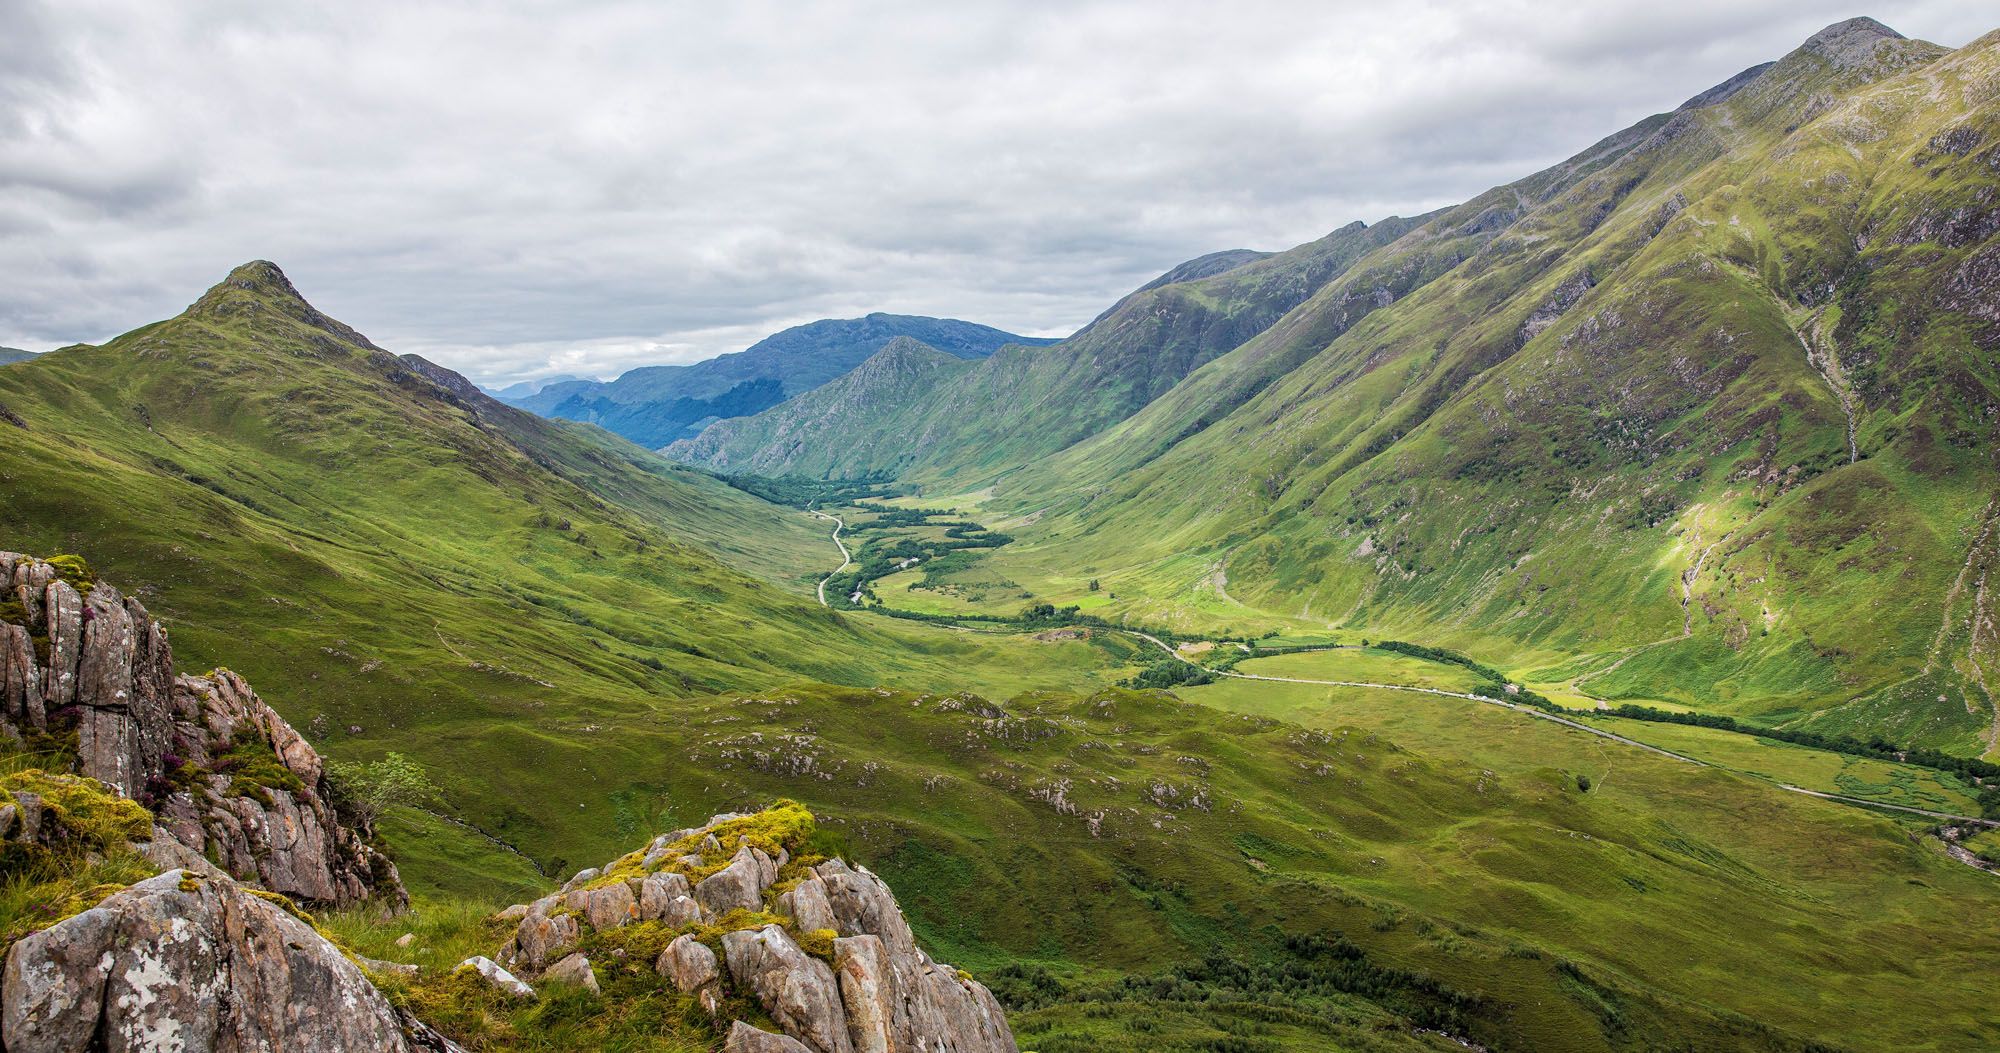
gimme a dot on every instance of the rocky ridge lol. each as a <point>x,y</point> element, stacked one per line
<point>86,672</point>
<point>745,915</point>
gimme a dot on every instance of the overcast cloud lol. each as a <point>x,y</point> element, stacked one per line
<point>569,186</point>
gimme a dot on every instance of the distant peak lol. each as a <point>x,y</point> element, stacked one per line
<point>904,346</point>
<point>1855,42</point>
<point>1854,29</point>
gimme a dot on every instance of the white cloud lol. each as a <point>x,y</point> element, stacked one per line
<point>538,188</point>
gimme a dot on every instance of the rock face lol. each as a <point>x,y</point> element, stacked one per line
<point>180,962</point>
<point>226,776</point>
<point>798,990</point>
<point>838,970</point>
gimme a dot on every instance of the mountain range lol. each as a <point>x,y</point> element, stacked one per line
<point>657,405</point>
<point>9,355</point>
<point>1555,622</point>
<point>1681,403</point>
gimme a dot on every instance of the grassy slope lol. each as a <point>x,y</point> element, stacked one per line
<point>399,568</point>
<point>1679,897</point>
<point>1440,468</point>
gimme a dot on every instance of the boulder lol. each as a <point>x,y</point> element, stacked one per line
<point>491,972</point>
<point>925,999</point>
<point>656,849</point>
<point>862,970</point>
<point>583,877</point>
<point>688,963</point>
<point>738,886</point>
<point>382,968</point>
<point>661,896</point>
<point>181,962</point>
<point>573,971</point>
<point>807,905</point>
<point>746,1039</point>
<point>605,908</point>
<point>543,937</point>
<point>691,966</point>
<point>796,989</point>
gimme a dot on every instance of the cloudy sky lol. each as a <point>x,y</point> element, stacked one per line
<point>572,186</point>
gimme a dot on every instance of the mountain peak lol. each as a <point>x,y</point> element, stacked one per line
<point>1850,43</point>
<point>260,287</point>
<point>1860,28</point>
<point>258,277</point>
<point>904,346</point>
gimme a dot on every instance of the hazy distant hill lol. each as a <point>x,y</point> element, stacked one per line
<point>656,405</point>
<point>513,393</point>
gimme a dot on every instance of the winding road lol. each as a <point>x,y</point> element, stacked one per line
<point>846,557</point>
<point>1566,722</point>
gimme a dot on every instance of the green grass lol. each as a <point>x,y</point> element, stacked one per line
<point>1367,665</point>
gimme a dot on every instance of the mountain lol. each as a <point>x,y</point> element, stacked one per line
<point>1658,417</point>
<point>1673,413</point>
<point>1023,403</point>
<point>427,567</point>
<point>10,355</point>
<point>656,405</point>
<point>855,417</point>
<point>550,625</point>
<point>1244,678</point>
<point>513,393</point>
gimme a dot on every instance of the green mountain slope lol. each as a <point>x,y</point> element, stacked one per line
<point>1690,403</point>
<point>531,610</point>
<point>10,355</point>
<point>655,405</point>
<point>402,557</point>
<point>1024,403</point>
<point>1510,425</point>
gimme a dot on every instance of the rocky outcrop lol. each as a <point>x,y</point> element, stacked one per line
<point>181,962</point>
<point>84,668</point>
<point>819,944</point>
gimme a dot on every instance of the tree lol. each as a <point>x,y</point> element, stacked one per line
<point>364,790</point>
<point>1093,585</point>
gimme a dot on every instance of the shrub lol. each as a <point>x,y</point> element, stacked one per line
<point>363,790</point>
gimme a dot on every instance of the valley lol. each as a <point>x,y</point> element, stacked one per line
<point>1558,621</point>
